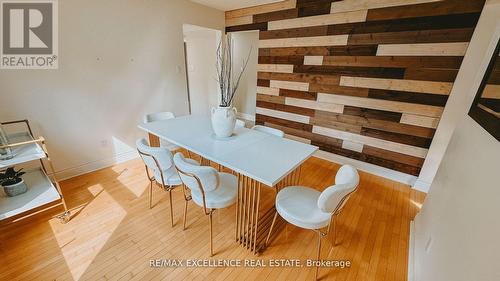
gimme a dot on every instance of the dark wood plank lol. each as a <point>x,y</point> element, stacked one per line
<point>400,128</point>
<point>246,27</point>
<point>431,74</point>
<point>263,83</point>
<point>271,99</point>
<point>427,9</point>
<point>281,60</point>
<point>394,156</point>
<point>277,15</point>
<point>393,165</point>
<point>410,37</point>
<point>298,94</point>
<point>300,77</point>
<point>376,72</point>
<point>294,32</point>
<point>278,121</point>
<point>353,50</point>
<point>339,90</point>
<point>418,98</point>
<point>450,62</point>
<point>395,137</point>
<point>287,108</point>
<point>309,8</point>
<point>372,114</point>
<point>410,24</point>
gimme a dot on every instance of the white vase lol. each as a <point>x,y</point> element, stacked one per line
<point>223,121</point>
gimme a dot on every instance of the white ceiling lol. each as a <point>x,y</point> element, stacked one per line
<point>227,5</point>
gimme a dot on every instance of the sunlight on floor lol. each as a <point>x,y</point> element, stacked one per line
<point>95,226</point>
<point>416,204</point>
<point>121,147</point>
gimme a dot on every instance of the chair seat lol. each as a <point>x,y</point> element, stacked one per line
<point>298,206</point>
<point>223,196</point>
<point>171,176</point>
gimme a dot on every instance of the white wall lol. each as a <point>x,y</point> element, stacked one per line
<point>457,232</point>
<point>119,59</point>
<point>463,92</point>
<point>246,94</point>
<point>201,48</point>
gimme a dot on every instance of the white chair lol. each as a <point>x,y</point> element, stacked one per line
<point>269,130</point>
<point>308,208</point>
<point>210,189</point>
<point>239,123</point>
<point>159,161</point>
<point>159,116</point>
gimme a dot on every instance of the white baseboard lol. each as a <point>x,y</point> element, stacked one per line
<point>411,253</point>
<point>246,116</point>
<point>367,167</point>
<point>421,185</point>
<point>96,165</point>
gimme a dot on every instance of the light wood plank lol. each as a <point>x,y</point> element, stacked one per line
<point>491,91</point>
<point>313,60</point>
<point>354,5</point>
<point>282,68</point>
<point>324,106</point>
<point>266,8</point>
<point>354,146</point>
<point>417,120</point>
<point>394,106</point>
<point>425,49</point>
<point>268,91</point>
<point>337,18</point>
<point>239,20</point>
<point>283,115</point>
<point>430,87</point>
<point>379,143</point>
<point>290,85</point>
<point>333,40</point>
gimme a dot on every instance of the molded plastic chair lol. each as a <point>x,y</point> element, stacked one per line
<point>159,161</point>
<point>269,130</point>
<point>308,208</point>
<point>210,189</point>
<point>159,116</point>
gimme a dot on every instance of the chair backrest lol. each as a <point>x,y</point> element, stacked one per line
<point>190,174</point>
<point>155,158</point>
<point>240,123</point>
<point>334,197</point>
<point>269,130</point>
<point>158,116</point>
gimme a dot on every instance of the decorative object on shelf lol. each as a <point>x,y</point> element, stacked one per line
<point>5,152</point>
<point>485,108</point>
<point>224,116</point>
<point>12,182</point>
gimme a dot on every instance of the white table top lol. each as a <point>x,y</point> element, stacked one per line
<point>260,156</point>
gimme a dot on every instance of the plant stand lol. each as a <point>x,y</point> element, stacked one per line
<point>44,192</point>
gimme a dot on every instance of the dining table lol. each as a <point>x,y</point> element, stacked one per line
<point>261,162</point>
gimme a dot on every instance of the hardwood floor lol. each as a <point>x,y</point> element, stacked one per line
<point>114,234</point>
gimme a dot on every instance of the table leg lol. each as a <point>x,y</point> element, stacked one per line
<point>154,140</point>
<point>253,226</point>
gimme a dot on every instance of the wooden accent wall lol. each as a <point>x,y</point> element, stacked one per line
<point>366,79</point>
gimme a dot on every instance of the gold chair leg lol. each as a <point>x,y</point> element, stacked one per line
<point>171,208</point>
<point>185,214</point>
<point>211,242</point>
<point>150,194</point>
<point>271,229</point>
<point>334,232</point>
<point>318,257</point>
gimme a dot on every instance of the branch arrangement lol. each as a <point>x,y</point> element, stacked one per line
<point>228,84</point>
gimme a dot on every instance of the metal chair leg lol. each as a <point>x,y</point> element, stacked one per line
<point>150,194</point>
<point>171,208</point>
<point>211,242</point>
<point>271,229</point>
<point>318,257</point>
<point>185,214</point>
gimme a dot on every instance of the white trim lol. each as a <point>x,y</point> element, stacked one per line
<point>367,167</point>
<point>411,253</point>
<point>421,185</point>
<point>96,165</point>
<point>246,116</point>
